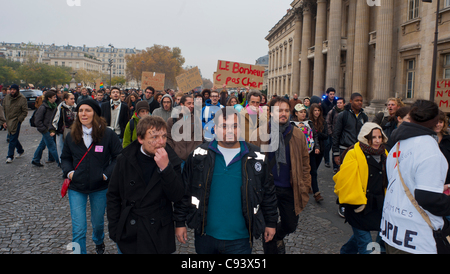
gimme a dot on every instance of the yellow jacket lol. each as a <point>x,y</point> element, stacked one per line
<point>351,180</point>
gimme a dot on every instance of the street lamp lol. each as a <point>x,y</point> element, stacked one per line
<point>110,64</point>
<point>436,34</point>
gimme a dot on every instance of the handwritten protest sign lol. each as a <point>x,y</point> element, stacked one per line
<point>189,80</point>
<point>152,79</point>
<point>235,75</point>
<point>442,94</point>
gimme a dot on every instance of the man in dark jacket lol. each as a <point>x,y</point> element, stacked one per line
<point>348,125</point>
<point>43,120</point>
<point>230,195</point>
<point>16,110</point>
<point>144,184</point>
<point>115,113</point>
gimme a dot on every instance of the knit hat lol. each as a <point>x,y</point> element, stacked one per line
<point>315,100</point>
<point>14,86</point>
<point>92,103</point>
<point>142,105</point>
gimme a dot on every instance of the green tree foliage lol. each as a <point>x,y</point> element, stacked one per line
<point>33,73</point>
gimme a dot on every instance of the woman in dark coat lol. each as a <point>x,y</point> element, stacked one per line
<point>144,184</point>
<point>89,136</point>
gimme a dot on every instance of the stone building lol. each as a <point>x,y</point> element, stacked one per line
<point>356,46</point>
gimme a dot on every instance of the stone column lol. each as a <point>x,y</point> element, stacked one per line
<point>334,45</point>
<point>350,50</point>
<point>383,54</point>
<point>361,49</point>
<point>306,43</point>
<point>296,50</point>
<point>321,33</point>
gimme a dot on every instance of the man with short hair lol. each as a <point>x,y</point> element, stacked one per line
<point>346,130</point>
<point>294,101</point>
<point>16,110</point>
<point>148,95</point>
<point>145,182</point>
<point>230,194</point>
<point>208,112</point>
<point>251,114</point>
<point>84,95</point>
<point>116,113</point>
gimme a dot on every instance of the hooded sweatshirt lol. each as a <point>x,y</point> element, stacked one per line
<point>161,112</point>
<point>423,168</point>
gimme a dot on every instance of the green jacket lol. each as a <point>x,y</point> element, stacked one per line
<point>128,138</point>
<point>16,110</point>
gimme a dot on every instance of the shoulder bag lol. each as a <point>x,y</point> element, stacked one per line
<point>67,181</point>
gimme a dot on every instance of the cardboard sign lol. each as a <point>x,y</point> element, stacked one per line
<point>442,95</point>
<point>235,75</point>
<point>189,80</point>
<point>153,79</point>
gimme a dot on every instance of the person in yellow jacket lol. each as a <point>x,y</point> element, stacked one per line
<point>360,186</point>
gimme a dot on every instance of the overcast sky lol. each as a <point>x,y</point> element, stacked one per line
<point>205,30</point>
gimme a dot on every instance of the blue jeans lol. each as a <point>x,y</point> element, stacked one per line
<point>209,245</point>
<point>49,142</point>
<point>358,242</point>
<point>78,203</point>
<point>14,143</point>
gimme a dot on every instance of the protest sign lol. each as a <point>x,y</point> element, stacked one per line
<point>442,95</point>
<point>189,80</point>
<point>235,75</point>
<point>153,79</point>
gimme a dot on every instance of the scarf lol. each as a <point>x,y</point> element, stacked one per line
<point>381,151</point>
<point>371,151</point>
<point>51,105</point>
<point>87,136</point>
<point>71,108</point>
<point>115,103</point>
<point>280,154</point>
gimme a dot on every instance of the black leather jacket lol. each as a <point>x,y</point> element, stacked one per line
<point>347,129</point>
<point>259,202</point>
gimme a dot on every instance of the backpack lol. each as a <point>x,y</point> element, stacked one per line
<point>32,124</point>
<point>308,134</point>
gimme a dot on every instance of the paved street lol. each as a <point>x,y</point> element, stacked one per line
<point>35,220</point>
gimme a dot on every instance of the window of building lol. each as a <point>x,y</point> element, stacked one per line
<point>410,76</point>
<point>447,4</point>
<point>413,9</point>
<point>447,66</point>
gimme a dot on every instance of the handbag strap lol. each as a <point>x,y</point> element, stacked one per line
<point>410,196</point>
<point>84,156</point>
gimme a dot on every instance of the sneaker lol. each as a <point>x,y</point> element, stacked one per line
<point>100,249</point>
<point>318,197</point>
<point>9,160</point>
<point>327,165</point>
<point>38,164</point>
<point>341,211</point>
<point>20,154</point>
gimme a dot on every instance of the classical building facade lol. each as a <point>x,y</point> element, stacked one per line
<point>355,46</point>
